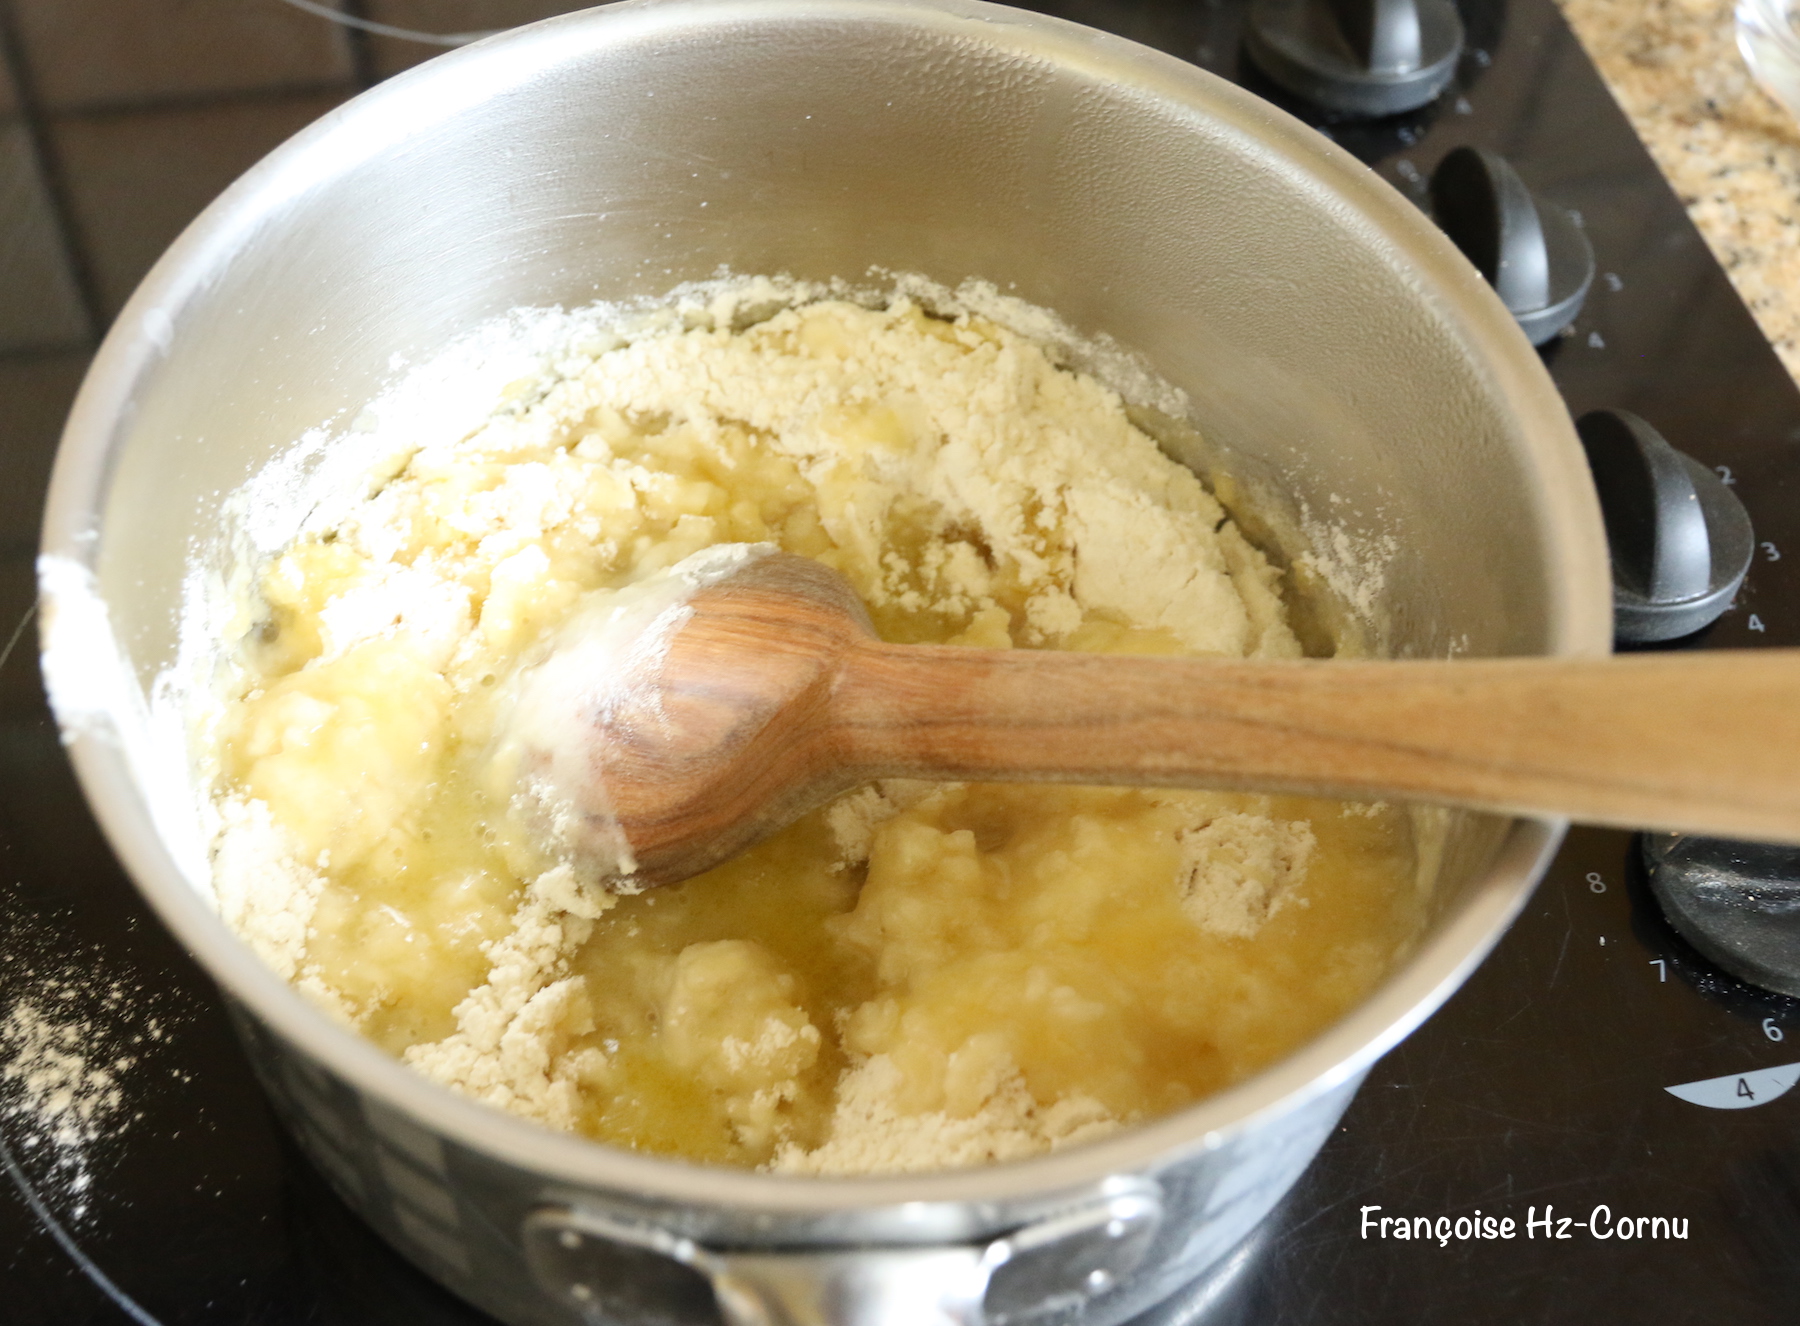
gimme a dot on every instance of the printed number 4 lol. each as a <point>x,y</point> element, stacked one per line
<point>1743,1089</point>
<point>1755,623</point>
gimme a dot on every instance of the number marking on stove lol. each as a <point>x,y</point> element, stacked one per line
<point>1596,341</point>
<point>1725,475</point>
<point>1596,882</point>
<point>1773,1030</point>
<point>1755,623</point>
<point>1613,283</point>
<point>1771,552</point>
<point>1739,1091</point>
<point>1662,969</point>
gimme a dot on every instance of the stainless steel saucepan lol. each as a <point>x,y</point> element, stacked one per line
<point>1340,357</point>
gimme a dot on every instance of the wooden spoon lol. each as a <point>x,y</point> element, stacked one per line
<point>750,688</point>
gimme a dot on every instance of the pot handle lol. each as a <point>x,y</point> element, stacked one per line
<point>610,1268</point>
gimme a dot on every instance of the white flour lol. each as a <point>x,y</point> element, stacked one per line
<point>67,1045</point>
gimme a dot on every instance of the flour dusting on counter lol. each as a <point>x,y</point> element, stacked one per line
<point>72,1041</point>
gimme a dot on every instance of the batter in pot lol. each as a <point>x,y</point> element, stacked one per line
<point>915,977</point>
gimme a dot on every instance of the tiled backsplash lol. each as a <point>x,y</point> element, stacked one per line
<point>390,56</point>
<point>40,305</point>
<point>9,97</point>
<point>119,121</point>
<point>134,179</point>
<point>83,54</point>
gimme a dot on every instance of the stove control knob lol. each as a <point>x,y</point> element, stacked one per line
<point>1358,57</point>
<point>1537,259</point>
<point>1737,903</point>
<point>1681,541</point>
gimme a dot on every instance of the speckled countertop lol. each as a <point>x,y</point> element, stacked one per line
<point>1732,153</point>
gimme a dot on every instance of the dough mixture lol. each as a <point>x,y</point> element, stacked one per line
<point>915,977</point>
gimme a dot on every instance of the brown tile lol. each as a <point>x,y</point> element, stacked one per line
<point>40,304</point>
<point>35,392</point>
<point>134,181</point>
<point>9,94</point>
<point>84,53</point>
<point>21,692</point>
<point>391,54</point>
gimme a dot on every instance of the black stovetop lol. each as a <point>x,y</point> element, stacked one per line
<point>1540,1085</point>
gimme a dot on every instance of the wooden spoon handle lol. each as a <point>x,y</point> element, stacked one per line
<point>1705,742</point>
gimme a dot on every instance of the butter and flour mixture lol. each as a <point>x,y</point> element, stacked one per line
<point>915,977</point>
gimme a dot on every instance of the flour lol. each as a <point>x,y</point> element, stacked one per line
<point>63,1099</point>
<point>67,1045</point>
<point>870,1136</point>
<point>973,490</point>
<point>264,893</point>
<point>1353,566</point>
<point>971,434</point>
<point>1238,870</point>
<point>510,1046</point>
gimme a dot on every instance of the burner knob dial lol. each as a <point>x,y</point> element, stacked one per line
<point>1737,903</point>
<point>1681,541</point>
<point>1537,259</point>
<point>1359,57</point>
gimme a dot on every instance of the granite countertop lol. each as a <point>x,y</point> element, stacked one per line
<point>1731,152</point>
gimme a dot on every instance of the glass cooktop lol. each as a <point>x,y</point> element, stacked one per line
<point>1539,1095</point>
